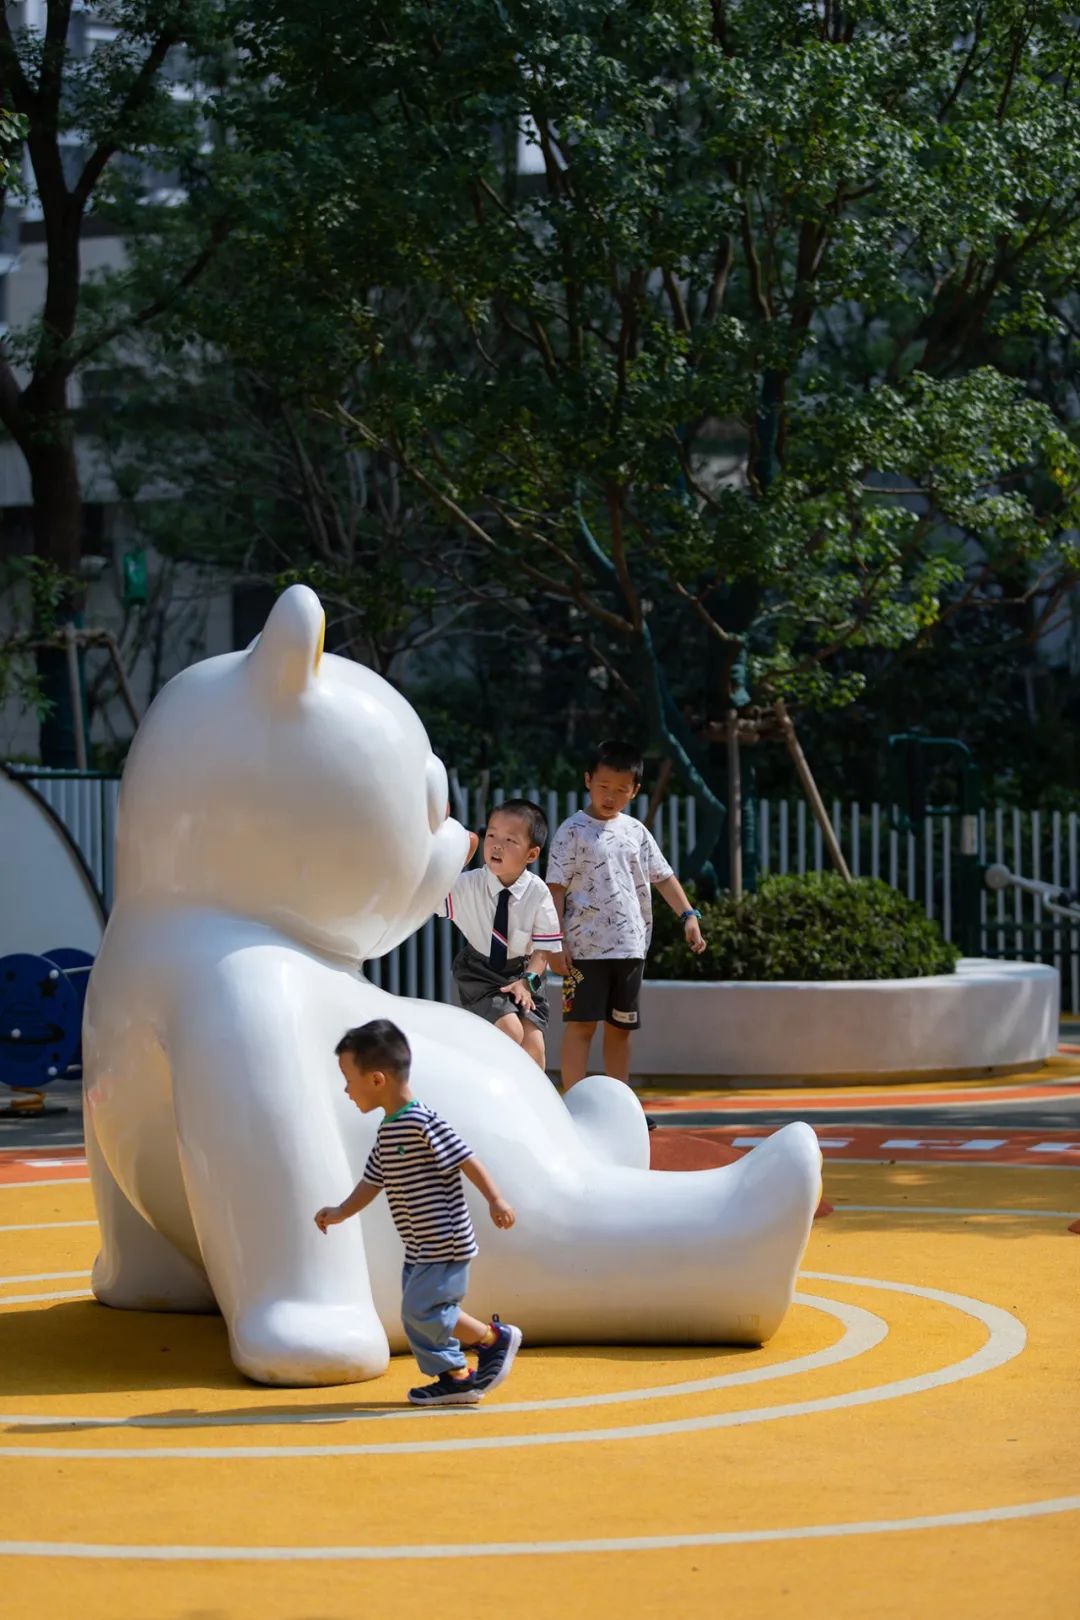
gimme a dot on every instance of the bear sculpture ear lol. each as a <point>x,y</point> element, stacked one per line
<point>285,656</point>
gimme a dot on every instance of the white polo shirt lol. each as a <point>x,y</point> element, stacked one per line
<point>533,921</point>
<point>607,868</point>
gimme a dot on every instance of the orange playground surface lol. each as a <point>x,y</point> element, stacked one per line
<point>908,1444</point>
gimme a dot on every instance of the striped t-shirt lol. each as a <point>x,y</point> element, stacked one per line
<point>417,1158</point>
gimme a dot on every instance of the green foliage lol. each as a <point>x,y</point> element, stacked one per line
<point>769,358</point>
<point>813,927</point>
<point>31,589</point>
<point>746,365</point>
<point>13,130</point>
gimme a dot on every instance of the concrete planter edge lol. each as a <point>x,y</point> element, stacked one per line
<point>987,1017</point>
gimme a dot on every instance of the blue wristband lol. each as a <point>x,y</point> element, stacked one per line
<point>693,912</point>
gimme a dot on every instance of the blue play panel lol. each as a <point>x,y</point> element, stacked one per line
<point>41,1005</point>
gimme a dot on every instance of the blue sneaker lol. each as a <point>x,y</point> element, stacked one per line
<point>447,1391</point>
<point>494,1361</point>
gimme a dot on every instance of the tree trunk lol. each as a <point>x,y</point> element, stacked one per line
<point>47,441</point>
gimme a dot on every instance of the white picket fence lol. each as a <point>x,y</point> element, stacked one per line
<point>1034,843</point>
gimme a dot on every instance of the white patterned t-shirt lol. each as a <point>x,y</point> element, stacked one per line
<point>607,869</point>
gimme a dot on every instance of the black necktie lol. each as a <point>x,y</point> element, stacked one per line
<point>500,932</point>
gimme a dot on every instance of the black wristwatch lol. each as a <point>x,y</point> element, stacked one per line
<point>533,982</point>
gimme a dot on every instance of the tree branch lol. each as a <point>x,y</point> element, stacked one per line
<point>137,93</point>
<point>157,306</point>
<point>618,555</point>
<point>965,69</point>
<point>721,270</point>
<point>51,82</point>
<point>12,78</point>
<point>698,608</point>
<point>557,587</point>
<point>753,263</point>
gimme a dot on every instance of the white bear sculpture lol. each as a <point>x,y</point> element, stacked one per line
<point>283,820</point>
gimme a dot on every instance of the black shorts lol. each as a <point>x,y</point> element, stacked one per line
<point>608,992</point>
<point>479,988</point>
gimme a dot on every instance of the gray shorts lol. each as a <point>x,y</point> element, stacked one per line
<point>479,988</point>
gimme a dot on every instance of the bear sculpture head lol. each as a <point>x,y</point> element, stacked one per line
<point>292,788</point>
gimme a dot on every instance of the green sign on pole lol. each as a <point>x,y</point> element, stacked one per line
<point>135,578</point>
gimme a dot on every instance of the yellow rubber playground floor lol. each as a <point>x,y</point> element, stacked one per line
<point>908,1445</point>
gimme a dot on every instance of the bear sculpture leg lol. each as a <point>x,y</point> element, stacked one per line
<point>298,1306</point>
<point>137,1269</point>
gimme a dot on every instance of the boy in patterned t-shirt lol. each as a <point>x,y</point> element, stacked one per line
<point>420,1160</point>
<point>600,869</point>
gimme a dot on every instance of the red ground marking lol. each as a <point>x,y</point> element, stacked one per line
<point>896,1144</point>
<point>805,1102</point>
<point>702,1147</point>
<point>684,1149</point>
<point>24,1166</point>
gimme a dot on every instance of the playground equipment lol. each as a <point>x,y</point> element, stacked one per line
<point>41,1007</point>
<point>1057,901</point>
<point>283,820</point>
<point>913,757</point>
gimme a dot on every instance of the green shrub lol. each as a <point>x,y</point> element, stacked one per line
<point>806,927</point>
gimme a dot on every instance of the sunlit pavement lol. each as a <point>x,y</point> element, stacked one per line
<point>907,1445</point>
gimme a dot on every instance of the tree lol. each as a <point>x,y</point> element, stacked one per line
<point>747,395</point>
<point>93,124</point>
<point>231,446</point>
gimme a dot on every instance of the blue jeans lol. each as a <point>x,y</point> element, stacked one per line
<point>431,1296</point>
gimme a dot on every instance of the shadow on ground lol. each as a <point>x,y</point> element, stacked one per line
<point>85,1349</point>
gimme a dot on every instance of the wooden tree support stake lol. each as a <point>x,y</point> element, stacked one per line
<point>810,788</point>
<point>122,677</point>
<point>77,717</point>
<point>70,640</point>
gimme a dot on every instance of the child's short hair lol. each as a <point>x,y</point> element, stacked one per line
<point>530,813</point>
<point>378,1045</point>
<point>617,756</point>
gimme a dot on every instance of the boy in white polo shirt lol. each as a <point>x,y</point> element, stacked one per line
<point>508,918</point>
<point>600,869</point>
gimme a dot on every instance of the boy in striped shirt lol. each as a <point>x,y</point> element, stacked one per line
<point>420,1160</point>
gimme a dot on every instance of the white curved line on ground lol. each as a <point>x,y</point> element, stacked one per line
<point>1006,1338</point>
<point>42,1276</point>
<point>50,1181</point>
<point>35,1299</point>
<point>44,1226</point>
<point>947,1164</point>
<point>840,1209</point>
<point>533,1549</point>
<point>950,1209</point>
<point>862,1332</point>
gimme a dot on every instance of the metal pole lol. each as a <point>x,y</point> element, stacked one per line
<point>809,787</point>
<point>71,648</point>
<point>970,874</point>
<point>734,805</point>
